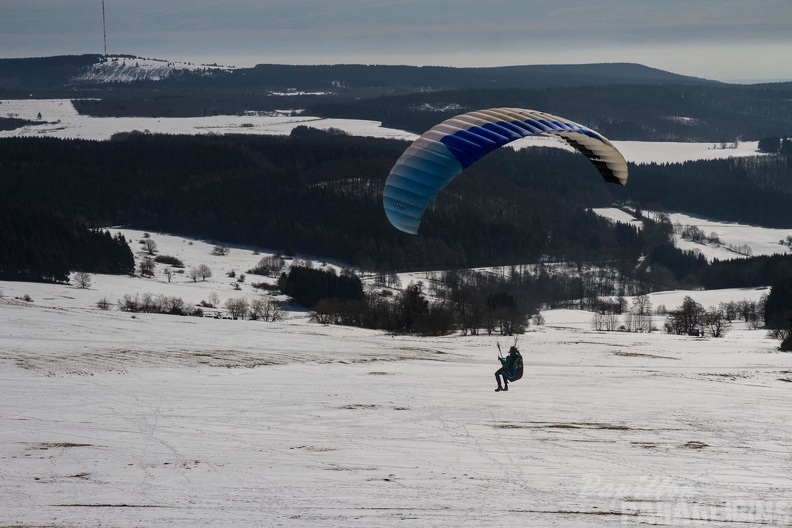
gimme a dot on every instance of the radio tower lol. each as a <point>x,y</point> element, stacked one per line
<point>104,30</point>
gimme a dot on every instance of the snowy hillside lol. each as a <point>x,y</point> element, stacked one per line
<point>122,419</point>
<point>63,121</point>
<point>733,240</point>
<point>125,69</point>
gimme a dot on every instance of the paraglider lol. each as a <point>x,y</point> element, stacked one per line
<point>511,367</point>
<point>440,154</point>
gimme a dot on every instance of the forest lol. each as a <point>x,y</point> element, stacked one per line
<point>319,193</point>
<point>676,112</point>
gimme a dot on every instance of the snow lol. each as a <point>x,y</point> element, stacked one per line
<point>644,152</point>
<point>678,152</point>
<point>124,69</point>
<point>732,236</point>
<point>63,121</point>
<point>114,419</point>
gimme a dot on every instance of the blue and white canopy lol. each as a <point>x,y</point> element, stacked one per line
<point>435,158</point>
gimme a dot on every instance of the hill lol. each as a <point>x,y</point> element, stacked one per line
<point>75,72</point>
<point>623,101</point>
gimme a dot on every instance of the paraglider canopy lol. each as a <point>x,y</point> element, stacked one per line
<point>440,154</point>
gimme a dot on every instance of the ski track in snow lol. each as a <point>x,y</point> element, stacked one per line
<point>158,420</point>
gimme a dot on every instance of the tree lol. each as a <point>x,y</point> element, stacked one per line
<point>749,310</point>
<point>411,307</point>
<point>266,309</point>
<point>685,318</point>
<point>716,322</point>
<point>214,300</point>
<point>150,246</point>
<point>82,279</point>
<point>147,267</point>
<point>505,313</point>
<point>642,308</point>
<point>193,274</point>
<point>220,250</point>
<point>103,303</point>
<point>237,308</point>
<point>203,272</point>
<point>169,273</point>
<point>778,308</point>
<point>268,265</point>
<point>770,144</point>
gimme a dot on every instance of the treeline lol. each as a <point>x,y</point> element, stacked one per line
<point>37,246</point>
<point>746,273</point>
<point>679,112</point>
<point>341,299</point>
<point>750,190</point>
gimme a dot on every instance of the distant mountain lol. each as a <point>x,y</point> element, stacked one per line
<point>71,73</point>
<point>340,76</point>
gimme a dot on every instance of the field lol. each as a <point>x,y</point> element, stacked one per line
<point>61,120</point>
<point>117,419</point>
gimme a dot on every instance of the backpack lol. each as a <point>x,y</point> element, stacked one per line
<point>516,372</point>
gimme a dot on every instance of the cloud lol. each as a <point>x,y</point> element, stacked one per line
<point>398,31</point>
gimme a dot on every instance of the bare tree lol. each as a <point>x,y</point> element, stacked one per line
<point>237,308</point>
<point>611,322</point>
<point>150,246</point>
<point>193,274</point>
<point>716,322</point>
<point>214,300</point>
<point>169,273</point>
<point>103,303</point>
<point>630,322</point>
<point>82,279</point>
<point>204,272</point>
<point>147,267</point>
<point>642,308</point>
<point>220,250</point>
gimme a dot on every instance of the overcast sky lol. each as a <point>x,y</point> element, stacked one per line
<point>729,40</point>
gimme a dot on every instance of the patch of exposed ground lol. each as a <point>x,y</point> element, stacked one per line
<point>121,360</point>
<point>695,445</point>
<point>55,445</point>
<point>109,506</point>
<point>640,354</point>
<point>572,425</point>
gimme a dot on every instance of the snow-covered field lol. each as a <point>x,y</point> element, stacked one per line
<point>732,237</point>
<point>63,121</point>
<point>114,419</point>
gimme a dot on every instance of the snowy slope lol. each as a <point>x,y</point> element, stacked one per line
<point>125,69</point>
<point>63,121</point>
<point>732,236</point>
<point>152,420</point>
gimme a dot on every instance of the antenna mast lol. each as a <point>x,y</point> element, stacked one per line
<point>104,29</point>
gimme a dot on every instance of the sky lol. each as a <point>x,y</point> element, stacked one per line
<point>727,40</point>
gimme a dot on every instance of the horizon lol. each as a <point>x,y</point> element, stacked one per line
<point>253,63</point>
<point>723,40</point>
